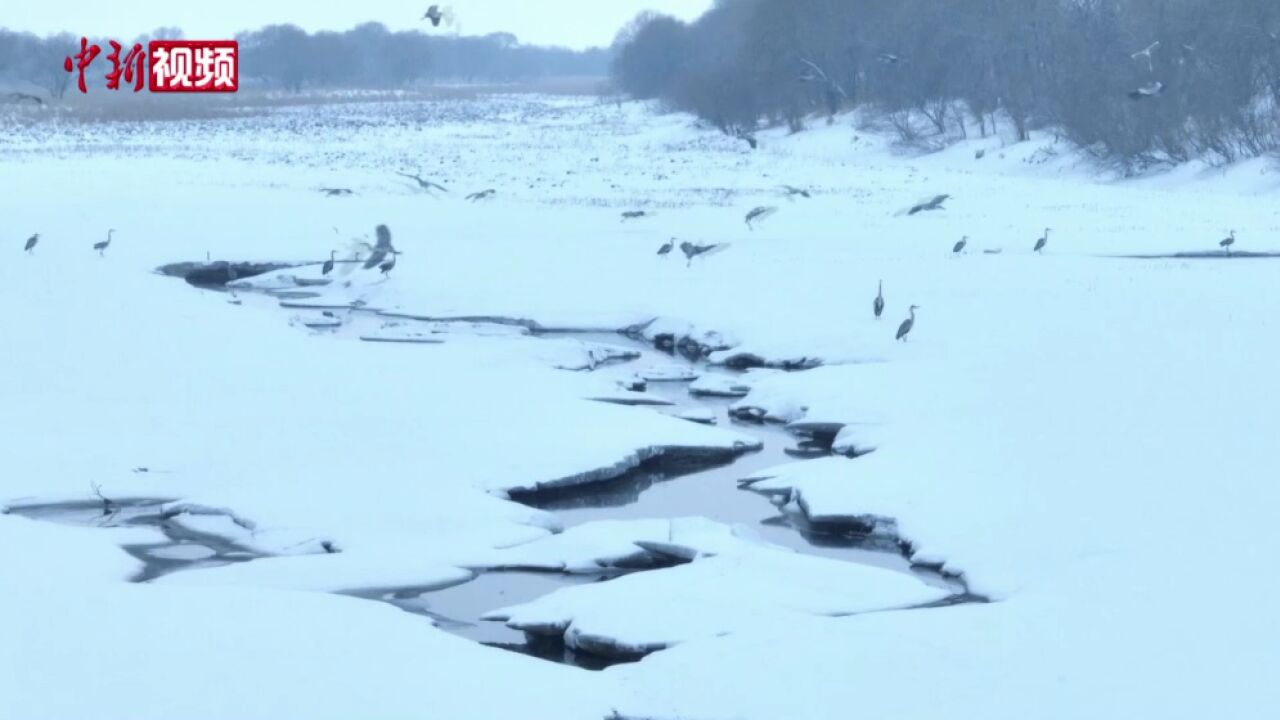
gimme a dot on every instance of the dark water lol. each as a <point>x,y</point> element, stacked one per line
<point>183,548</point>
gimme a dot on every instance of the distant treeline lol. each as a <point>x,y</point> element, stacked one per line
<point>367,56</point>
<point>938,69</point>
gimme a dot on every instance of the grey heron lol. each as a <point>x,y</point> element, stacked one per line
<point>634,215</point>
<point>758,215</point>
<point>927,205</point>
<point>31,243</point>
<point>482,195</point>
<point>434,14</point>
<point>102,246</point>
<point>1043,240</point>
<point>878,305</point>
<point>667,248</point>
<point>328,264</point>
<point>424,185</point>
<point>1228,241</point>
<point>790,192</point>
<point>1154,89</point>
<point>959,247</point>
<point>380,251</point>
<point>692,251</point>
<point>337,192</point>
<point>389,265</point>
<point>907,324</point>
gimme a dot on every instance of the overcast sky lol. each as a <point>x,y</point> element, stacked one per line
<point>572,23</point>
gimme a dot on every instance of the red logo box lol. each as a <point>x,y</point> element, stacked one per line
<point>181,66</point>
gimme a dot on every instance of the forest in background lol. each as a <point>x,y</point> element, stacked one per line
<point>1134,83</point>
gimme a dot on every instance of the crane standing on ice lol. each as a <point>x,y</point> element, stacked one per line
<point>878,305</point>
<point>1228,241</point>
<point>905,328</point>
<point>1044,240</point>
<point>31,243</point>
<point>102,246</point>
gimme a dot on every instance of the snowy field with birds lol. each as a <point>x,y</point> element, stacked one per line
<point>495,403</point>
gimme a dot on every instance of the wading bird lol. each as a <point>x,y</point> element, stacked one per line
<point>389,265</point>
<point>31,243</point>
<point>878,305</point>
<point>102,246</point>
<point>692,251</point>
<point>927,205</point>
<point>424,185</point>
<point>1042,241</point>
<point>379,252</point>
<point>959,247</point>
<point>328,264</point>
<point>1147,91</point>
<point>907,324</point>
<point>1146,53</point>
<point>1228,241</point>
<point>759,214</point>
<point>482,195</point>
<point>667,248</point>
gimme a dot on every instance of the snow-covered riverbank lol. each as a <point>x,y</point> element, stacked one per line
<point>1083,437</point>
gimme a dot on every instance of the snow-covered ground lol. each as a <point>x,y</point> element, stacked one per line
<point>1084,438</point>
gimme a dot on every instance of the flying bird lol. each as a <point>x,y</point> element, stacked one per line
<point>889,58</point>
<point>435,15</point>
<point>328,264</point>
<point>482,195</point>
<point>907,324</point>
<point>878,305</point>
<point>379,252</point>
<point>1146,53</point>
<point>31,243</point>
<point>692,251</point>
<point>1228,241</point>
<point>927,205</point>
<point>667,248</point>
<point>425,185</point>
<point>759,214</point>
<point>791,192</point>
<point>389,265</point>
<point>1154,89</point>
<point>102,246</point>
<point>337,192</point>
<point>1042,241</point>
<point>633,215</point>
<point>959,247</point>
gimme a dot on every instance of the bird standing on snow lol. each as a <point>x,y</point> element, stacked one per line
<point>667,248</point>
<point>959,247</point>
<point>328,264</point>
<point>31,243</point>
<point>102,246</point>
<point>1228,241</point>
<point>925,206</point>
<point>759,215</point>
<point>878,305</point>
<point>1042,241</point>
<point>907,324</point>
